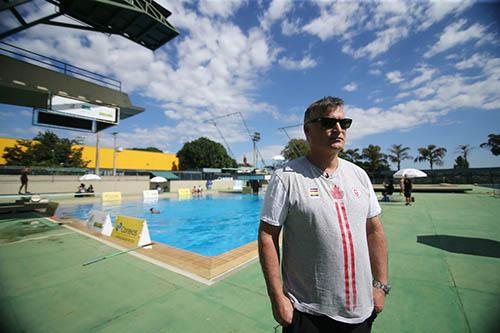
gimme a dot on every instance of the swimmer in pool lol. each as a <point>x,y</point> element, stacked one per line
<point>154,211</point>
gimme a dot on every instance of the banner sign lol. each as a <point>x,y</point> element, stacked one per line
<point>150,194</point>
<point>52,208</point>
<point>184,192</point>
<point>131,230</point>
<point>100,221</point>
<point>79,108</point>
<point>111,196</point>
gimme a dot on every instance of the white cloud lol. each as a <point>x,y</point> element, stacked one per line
<point>394,77</point>
<point>223,9</point>
<point>304,63</point>
<point>7,114</point>
<point>402,95</point>
<point>351,87</point>
<point>426,74</point>
<point>454,35</point>
<point>437,10</point>
<point>290,27</point>
<point>277,10</point>
<point>476,60</point>
<point>335,19</point>
<point>375,71</point>
<point>382,23</point>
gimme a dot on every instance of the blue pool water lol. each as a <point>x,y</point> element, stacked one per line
<point>209,225</point>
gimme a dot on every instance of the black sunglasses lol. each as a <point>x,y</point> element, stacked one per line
<point>329,123</point>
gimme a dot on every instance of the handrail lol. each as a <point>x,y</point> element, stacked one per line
<point>63,67</point>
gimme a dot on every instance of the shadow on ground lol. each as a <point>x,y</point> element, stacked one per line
<point>465,245</point>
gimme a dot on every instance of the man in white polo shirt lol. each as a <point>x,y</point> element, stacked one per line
<point>334,268</point>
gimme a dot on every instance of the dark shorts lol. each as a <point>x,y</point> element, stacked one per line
<point>408,194</point>
<point>307,323</point>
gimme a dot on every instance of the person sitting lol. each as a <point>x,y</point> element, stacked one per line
<point>388,190</point>
<point>81,189</point>
<point>194,190</point>
<point>90,189</point>
<point>199,190</point>
<point>154,211</point>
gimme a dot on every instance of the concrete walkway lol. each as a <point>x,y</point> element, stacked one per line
<point>444,266</point>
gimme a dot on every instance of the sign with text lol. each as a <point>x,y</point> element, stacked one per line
<point>100,221</point>
<point>83,109</point>
<point>150,194</point>
<point>111,196</point>
<point>131,230</point>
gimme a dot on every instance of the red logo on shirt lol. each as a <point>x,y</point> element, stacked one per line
<point>356,193</point>
<point>337,192</point>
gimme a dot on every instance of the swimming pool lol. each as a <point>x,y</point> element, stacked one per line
<point>208,225</point>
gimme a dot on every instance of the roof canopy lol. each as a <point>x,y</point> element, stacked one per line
<point>142,21</point>
<point>165,174</point>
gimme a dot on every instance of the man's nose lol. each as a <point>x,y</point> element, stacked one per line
<point>337,127</point>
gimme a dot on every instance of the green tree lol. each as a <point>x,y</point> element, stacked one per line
<point>375,160</point>
<point>464,150</point>
<point>204,153</point>
<point>461,163</point>
<point>351,155</point>
<point>398,153</point>
<point>295,148</point>
<point>46,149</point>
<point>493,144</point>
<point>151,149</point>
<point>432,154</point>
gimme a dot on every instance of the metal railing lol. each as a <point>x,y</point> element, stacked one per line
<point>59,66</point>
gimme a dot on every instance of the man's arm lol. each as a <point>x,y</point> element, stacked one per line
<point>377,247</point>
<point>270,262</point>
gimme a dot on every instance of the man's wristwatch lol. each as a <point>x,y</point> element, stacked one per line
<point>385,287</point>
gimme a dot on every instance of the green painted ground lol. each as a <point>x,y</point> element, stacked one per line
<point>444,265</point>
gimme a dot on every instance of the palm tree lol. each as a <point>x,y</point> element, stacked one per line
<point>493,144</point>
<point>432,154</point>
<point>351,155</point>
<point>398,153</point>
<point>375,159</point>
<point>465,149</point>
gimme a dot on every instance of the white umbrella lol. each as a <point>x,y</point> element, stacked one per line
<point>90,176</point>
<point>158,179</point>
<point>278,158</point>
<point>410,173</point>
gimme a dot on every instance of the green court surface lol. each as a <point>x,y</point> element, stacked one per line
<point>444,267</point>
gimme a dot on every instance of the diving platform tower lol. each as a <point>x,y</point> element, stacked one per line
<point>66,96</point>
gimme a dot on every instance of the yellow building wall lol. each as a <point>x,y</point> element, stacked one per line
<point>125,160</point>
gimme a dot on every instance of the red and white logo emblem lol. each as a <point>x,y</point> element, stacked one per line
<point>337,192</point>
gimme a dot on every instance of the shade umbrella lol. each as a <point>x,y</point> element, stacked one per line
<point>278,158</point>
<point>90,176</point>
<point>410,173</point>
<point>158,179</point>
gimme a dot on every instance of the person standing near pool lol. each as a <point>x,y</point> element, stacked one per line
<point>334,268</point>
<point>407,189</point>
<point>24,180</point>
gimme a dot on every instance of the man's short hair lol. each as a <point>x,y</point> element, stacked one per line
<point>323,104</point>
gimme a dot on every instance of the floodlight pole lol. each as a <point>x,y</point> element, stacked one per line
<point>255,137</point>
<point>114,153</point>
<point>97,153</point>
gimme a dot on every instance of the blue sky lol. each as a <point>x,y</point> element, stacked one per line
<point>412,73</point>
